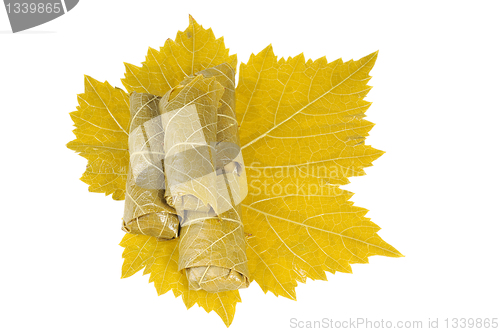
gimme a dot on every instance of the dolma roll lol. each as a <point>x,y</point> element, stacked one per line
<point>204,177</point>
<point>146,210</point>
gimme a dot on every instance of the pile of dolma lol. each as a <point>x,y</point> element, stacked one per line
<point>187,178</point>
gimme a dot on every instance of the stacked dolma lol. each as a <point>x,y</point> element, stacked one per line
<point>204,178</point>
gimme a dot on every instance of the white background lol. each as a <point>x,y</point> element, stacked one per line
<point>434,193</point>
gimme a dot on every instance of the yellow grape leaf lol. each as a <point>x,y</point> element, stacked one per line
<point>159,258</point>
<point>193,50</point>
<point>302,134</point>
<point>101,122</point>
